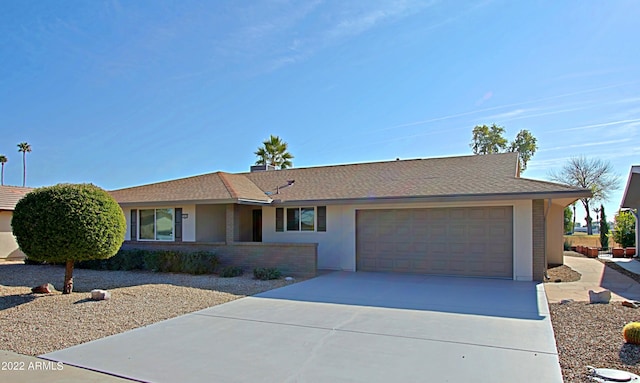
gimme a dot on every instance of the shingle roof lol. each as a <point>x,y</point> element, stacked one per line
<point>10,195</point>
<point>211,187</point>
<point>469,176</point>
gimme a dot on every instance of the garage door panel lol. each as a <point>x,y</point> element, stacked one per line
<point>476,241</point>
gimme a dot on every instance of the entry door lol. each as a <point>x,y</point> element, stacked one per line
<point>257,225</point>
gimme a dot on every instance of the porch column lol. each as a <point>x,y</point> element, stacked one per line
<point>230,224</point>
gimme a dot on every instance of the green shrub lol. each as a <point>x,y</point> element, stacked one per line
<point>624,232</point>
<point>199,262</point>
<point>567,245</point>
<point>266,273</point>
<point>67,223</point>
<point>231,272</point>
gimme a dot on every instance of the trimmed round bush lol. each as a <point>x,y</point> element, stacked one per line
<point>631,332</point>
<point>68,222</point>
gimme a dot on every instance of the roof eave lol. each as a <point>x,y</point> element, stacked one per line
<point>631,196</point>
<point>570,194</point>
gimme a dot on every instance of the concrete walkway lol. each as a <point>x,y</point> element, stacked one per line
<point>630,264</point>
<point>595,276</point>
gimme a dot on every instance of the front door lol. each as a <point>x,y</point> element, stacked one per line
<point>257,225</point>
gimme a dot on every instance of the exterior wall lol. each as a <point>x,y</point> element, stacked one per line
<point>538,261</point>
<point>8,246</point>
<point>555,234</point>
<point>188,224</point>
<point>337,246</point>
<point>292,259</point>
<point>210,223</point>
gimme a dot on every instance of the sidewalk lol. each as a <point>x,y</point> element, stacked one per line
<point>595,276</point>
<point>19,368</point>
<point>630,264</point>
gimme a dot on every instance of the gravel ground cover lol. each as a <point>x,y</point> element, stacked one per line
<point>34,324</point>
<point>591,335</point>
<point>562,273</point>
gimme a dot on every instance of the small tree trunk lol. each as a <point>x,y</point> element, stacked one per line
<point>68,278</point>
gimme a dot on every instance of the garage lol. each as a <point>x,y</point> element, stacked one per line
<point>463,241</point>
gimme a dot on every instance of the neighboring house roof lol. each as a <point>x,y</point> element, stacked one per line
<point>631,196</point>
<point>465,177</point>
<point>10,195</point>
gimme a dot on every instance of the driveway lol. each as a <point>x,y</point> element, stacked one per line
<point>345,327</point>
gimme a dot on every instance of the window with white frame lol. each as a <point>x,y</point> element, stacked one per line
<point>156,224</point>
<point>301,218</point>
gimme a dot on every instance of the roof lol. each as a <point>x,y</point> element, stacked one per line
<point>214,187</point>
<point>464,177</point>
<point>10,195</point>
<point>631,196</point>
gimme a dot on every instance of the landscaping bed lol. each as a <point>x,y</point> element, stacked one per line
<point>34,324</point>
<point>591,335</point>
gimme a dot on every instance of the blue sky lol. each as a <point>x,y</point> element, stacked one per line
<point>122,93</point>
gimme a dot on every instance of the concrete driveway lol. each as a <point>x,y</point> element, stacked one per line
<point>345,327</point>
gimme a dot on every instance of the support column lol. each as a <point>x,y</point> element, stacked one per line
<point>230,224</point>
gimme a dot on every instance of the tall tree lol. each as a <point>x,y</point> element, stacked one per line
<point>490,139</point>
<point>24,148</point>
<point>3,160</point>
<point>604,229</point>
<point>593,174</point>
<point>526,145</point>
<point>274,152</point>
<point>568,217</point>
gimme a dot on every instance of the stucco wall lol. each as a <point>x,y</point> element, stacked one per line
<point>337,246</point>
<point>210,223</point>
<point>555,234</point>
<point>8,246</point>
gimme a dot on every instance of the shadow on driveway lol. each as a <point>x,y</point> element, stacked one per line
<point>474,296</point>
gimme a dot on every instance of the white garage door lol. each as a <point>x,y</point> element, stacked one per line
<point>469,241</point>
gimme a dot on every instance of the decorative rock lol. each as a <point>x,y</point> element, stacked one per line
<point>100,295</point>
<point>603,296</point>
<point>46,288</point>
<point>288,279</point>
<point>565,301</point>
<point>632,304</point>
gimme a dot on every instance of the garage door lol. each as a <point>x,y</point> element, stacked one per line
<point>470,241</point>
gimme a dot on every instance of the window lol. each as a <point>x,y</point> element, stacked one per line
<point>302,219</point>
<point>156,224</point>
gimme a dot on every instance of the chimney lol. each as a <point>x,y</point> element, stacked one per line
<point>261,168</point>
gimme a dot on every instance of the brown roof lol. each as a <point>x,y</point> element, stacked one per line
<point>10,195</point>
<point>214,187</point>
<point>452,177</point>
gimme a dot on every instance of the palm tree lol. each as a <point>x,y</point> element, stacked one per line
<point>23,148</point>
<point>274,153</point>
<point>3,160</point>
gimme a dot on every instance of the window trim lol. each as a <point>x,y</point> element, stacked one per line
<point>155,225</point>
<point>282,219</point>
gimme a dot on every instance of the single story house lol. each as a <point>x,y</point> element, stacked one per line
<point>631,197</point>
<point>463,216</point>
<point>9,197</point>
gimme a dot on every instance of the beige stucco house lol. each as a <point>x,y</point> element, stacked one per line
<point>9,196</point>
<point>461,216</point>
<point>631,197</point>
